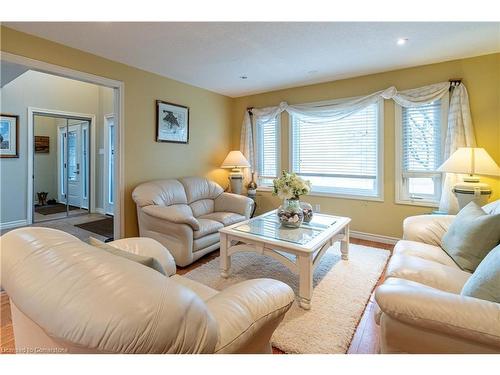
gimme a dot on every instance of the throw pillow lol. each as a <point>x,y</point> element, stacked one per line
<point>485,281</point>
<point>145,261</point>
<point>472,234</point>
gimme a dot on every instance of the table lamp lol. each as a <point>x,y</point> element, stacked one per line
<point>473,162</point>
<point>235,160</point>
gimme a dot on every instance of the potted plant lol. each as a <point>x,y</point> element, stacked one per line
<point>290,188</point>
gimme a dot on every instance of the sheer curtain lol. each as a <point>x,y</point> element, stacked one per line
<point>459,134</point>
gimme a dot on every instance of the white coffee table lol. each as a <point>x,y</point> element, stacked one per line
<point>299,249</point>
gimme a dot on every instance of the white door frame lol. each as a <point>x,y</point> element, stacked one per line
<point>105,192</point>
<point>119,102</point>
<point>64,114</point>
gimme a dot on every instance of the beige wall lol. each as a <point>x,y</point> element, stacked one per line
<point>210,116</point>
<point>481,76</point>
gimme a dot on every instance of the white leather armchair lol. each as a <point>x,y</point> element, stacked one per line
<point>420,306</point>
<point>185,214</point>
<point>69,297</point>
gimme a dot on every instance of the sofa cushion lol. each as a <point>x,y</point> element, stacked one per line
<point>159,192</point>
<point>202,207</point>
<point>427,272</point>
<point>200,188</point>
<point>207,226</point>
<point>206,241</point>
<point>485,281</point>
<point>424,251</point>
<point>471,236</point>
<point>226,218</point>
<point>145,261</point>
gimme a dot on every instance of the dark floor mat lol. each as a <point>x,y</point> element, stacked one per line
<point>53,209</point>
<point>104,227</point>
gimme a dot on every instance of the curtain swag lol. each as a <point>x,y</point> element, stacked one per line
<point>459,131</point>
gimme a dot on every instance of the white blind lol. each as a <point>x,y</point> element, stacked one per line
<point>422,137</point>
<point>267,149</point>
<point>344,148</point>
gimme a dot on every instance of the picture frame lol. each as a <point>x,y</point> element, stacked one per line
<point>172,122</point>
<point>42,144</point>
<point>9,139</point>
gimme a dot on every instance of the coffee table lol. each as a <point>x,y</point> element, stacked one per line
<point>300,249</point>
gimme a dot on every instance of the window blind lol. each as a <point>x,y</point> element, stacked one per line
<point>267,150</point>
<point>421,131</point>
<point>344,148</point>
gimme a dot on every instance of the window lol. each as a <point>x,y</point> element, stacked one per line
<point>419,148</point>
<point>268,151</point>
<point>341,157</point>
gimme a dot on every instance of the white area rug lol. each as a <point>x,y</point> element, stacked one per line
<point>341,292</point>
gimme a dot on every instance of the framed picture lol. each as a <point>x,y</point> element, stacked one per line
<point>42,143</point>
<point>172,122</point>
<point>9,141</point>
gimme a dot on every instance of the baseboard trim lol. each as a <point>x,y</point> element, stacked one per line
<point>374,237</point>
<point>13,224</point>
<point>100,211</point>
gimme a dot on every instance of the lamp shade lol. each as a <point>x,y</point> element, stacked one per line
<point>471,161</point>
<point>235,159</point>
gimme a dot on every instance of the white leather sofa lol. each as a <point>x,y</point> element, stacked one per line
<point>420,306</point>
<point>185,214</point>
<point>69,297</point>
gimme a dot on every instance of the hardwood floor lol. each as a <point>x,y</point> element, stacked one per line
<point>365,339</point>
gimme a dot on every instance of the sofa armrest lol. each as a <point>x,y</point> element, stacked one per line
<point>148,247</point>
<point>174,214</point>
<point>228,202</point>
<point>428,229</point>
<point>433,309</point>
<point>249,311</point>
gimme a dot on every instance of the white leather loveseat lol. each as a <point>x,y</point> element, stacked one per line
<point>420,306</point>
<point>69,297</point>
<point>185,214</point>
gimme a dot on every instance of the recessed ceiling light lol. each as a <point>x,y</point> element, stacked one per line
<point>243,77</point>
<point>402,41</point>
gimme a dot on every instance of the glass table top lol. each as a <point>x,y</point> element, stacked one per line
<point>269,226</point>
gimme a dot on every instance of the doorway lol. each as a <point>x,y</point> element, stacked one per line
<point>61,165</point>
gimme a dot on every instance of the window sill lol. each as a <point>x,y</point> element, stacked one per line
<point>265,189</point>
<point>419,203</point>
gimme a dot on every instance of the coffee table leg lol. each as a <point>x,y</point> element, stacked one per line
<point>305,280</point>
<point>344,244</point>
<point>225,259</point>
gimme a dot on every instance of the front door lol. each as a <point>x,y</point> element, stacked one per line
<point>73,167</point>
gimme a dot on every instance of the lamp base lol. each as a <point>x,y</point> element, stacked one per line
<point>471,190</point>
<point>236,181</point>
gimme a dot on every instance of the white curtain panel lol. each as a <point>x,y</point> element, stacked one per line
<point>460,133</point>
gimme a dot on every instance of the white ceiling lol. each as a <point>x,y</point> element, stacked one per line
<point>273,55</point>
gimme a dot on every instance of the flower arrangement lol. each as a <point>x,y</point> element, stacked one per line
<point>290,186</point>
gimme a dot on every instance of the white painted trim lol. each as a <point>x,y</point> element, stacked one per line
<point>13,224</point>
<point>105,187</point>
<point>374,237</point>
<point>119,104</point>
<point>100,210</point>
<point>92,173</point>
